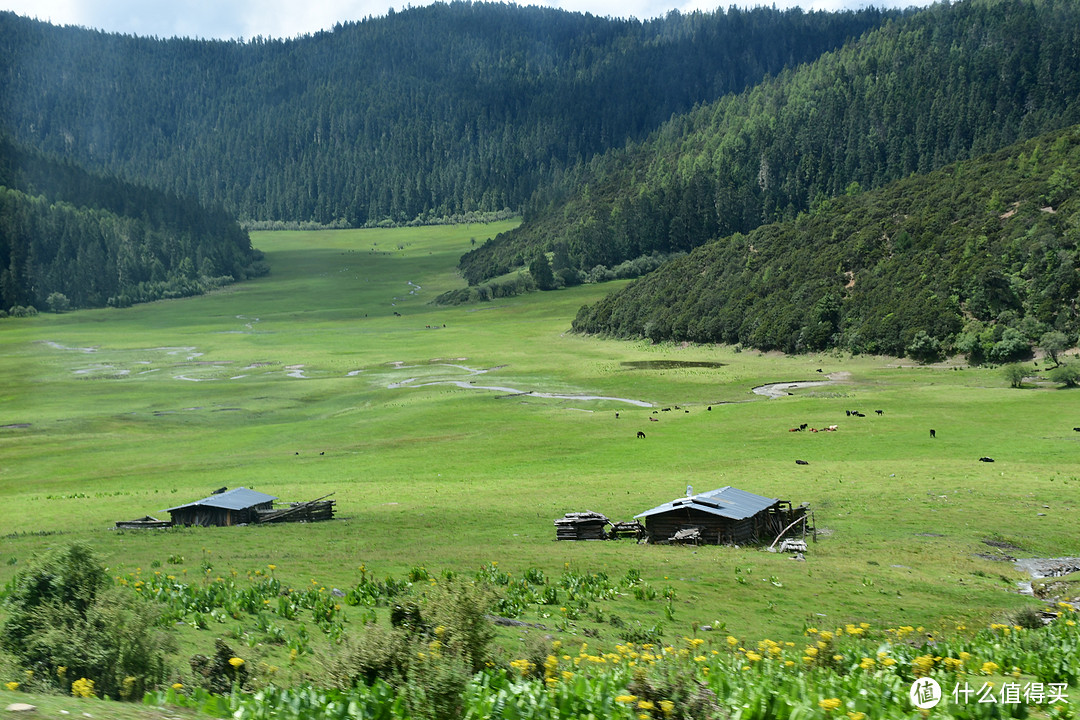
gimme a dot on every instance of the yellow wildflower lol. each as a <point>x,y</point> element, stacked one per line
<point>752,656</point>
<point>12,686</point>
<point>829,704</point>
<point>867,663</point>
<point>645,705</point>
<point>922,665</point>
<point>667,707</point>
<point>523,666</point>
<point>236,662</point>
<point>989,668</point>
<point>856,715</point>
<point>626,698</point>
<point>178,686</point>
<point>83,688</point>
<point>732,641</point>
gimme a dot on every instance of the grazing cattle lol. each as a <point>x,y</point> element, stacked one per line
<point>819,369</point>
<point>710,410</point>
<point>859,414</point>
<point>616,416</point>
<point>1076,429</point>
<point>686,411</point>
<point>932,433</point>
<point>986,459</point>
<point>322,453</point>
<point>655,411</point>
<point>794,430</point>
<point>219,491</point>
<point>640,434</point>
<point>803,426</point>
<point>296,453</point>
<point>801,462</point>
<point>653,420</point>
<point>880,412</point>
<point>848,413</point>
<point>666,409</point>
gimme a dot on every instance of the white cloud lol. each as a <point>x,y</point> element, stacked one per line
<point>229,19</point>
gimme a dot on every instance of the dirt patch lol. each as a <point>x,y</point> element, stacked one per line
<point>15,426</point>
<point>1001,544</point>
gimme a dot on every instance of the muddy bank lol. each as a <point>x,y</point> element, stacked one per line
<point>415,382</point>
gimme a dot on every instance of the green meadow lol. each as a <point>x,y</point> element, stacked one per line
<point>335,374</point>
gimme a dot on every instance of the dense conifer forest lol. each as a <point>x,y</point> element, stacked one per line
<point>777,136</point>
<point>951,82</point>
<point>979,258</point>
<point>432,111</point>
<point>69,238</point>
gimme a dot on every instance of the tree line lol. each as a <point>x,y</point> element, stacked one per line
<point>70,238</point>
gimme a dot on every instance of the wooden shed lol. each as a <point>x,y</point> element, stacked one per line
<point>727,516</point>
<point>234,507</point>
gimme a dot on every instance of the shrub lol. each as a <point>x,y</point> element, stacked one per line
<point>1066,374</point>
<point>1015,374</point>
<point>436,683</point>
<point>220,673</point>
<point>458,612</point>
<point>64,613</point>
<point>375,653</point>
<point>58,302</point>
<point>677,687</point>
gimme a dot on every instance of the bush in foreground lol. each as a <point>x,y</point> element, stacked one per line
<point>67,622</point>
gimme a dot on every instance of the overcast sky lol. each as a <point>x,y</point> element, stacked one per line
<point>230,19</point>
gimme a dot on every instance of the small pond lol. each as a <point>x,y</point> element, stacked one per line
<point>669,364</point>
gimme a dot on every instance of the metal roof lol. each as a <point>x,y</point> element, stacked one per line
<point>726,502</point>
<point>236,499</point>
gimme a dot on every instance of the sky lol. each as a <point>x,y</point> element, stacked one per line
<point>245,19</point>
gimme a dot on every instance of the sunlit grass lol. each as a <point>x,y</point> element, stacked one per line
<point>285,384</point>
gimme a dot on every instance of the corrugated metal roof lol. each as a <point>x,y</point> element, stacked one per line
<point>726,502</point>
<point>236,499</point>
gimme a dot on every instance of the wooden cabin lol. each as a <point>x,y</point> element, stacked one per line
<point>235,507</point>
<point>727,516</point>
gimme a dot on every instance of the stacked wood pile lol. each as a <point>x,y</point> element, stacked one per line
<point>586,525</point>
<point>145,522</point>
<point>631,528</point>
<point>312,511</point>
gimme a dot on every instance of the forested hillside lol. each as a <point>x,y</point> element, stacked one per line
<point>431,111</point>
<point>69,238</point>
<point>978,258</point>
<point>951,82</point>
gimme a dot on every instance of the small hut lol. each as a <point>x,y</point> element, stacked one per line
<point>727,516</point>
<point>234,507</point>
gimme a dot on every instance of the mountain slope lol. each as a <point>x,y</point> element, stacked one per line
<point>948,83</point>
<point>431,111</point>
<point>980,257</point>
<point>97,240</point>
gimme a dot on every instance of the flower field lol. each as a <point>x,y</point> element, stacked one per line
<point>850,672</point>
